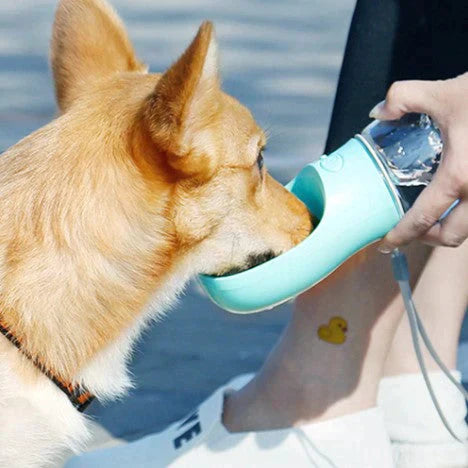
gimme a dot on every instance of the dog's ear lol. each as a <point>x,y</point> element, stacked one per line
<point>184,104</point>
<point>89,42</point>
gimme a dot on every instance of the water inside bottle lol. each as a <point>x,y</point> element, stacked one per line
<point>410,148</point>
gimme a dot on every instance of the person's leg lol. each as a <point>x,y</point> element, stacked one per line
<point>308,379</point>
<point>441,298</point>
<point>419,437</point>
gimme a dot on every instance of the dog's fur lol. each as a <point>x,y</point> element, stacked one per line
<point>143,181</point>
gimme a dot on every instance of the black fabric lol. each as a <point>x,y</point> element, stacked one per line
<point>391,40</point>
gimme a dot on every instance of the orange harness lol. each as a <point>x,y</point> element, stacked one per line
<point>79,397</point>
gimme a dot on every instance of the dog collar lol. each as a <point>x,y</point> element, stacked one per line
<point>79,397</point>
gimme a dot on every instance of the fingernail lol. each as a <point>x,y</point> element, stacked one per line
<point>375,112</point>
<point>385,249</point>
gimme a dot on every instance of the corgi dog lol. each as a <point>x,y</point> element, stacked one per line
<point>141,182</point>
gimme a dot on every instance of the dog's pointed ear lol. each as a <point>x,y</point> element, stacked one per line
<point>89,42</point>
<point>185,102</point>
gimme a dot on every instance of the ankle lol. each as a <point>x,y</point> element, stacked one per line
<point>269,403</point>
<point>248,409</point>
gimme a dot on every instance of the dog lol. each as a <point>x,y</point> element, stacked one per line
<point>141,182</point>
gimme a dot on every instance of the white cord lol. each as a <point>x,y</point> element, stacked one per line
<point>401,273</point>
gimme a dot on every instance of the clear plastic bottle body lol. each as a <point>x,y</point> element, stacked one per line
<point>409,150</point>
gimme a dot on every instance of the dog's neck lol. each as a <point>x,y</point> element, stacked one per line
<point>82,256</point>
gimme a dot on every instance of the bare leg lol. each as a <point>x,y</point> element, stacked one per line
<point>308,379</point>
<point>441,297</point>
<point>419,439</point>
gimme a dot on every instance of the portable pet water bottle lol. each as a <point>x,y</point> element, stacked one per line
<point>358,194</point>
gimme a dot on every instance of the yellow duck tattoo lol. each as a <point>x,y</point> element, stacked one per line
<point>334,332</point>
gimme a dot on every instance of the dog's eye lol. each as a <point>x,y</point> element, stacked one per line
<point>260,161</point>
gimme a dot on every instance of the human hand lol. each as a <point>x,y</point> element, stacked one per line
<point>447,103</point>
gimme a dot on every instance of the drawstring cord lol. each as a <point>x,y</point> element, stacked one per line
<point>401,274</point>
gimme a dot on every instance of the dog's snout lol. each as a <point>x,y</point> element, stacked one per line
<point>303,221</point>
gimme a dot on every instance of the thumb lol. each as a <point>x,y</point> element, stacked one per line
<point>405,97</point>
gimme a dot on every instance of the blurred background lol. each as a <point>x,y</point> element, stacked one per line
<point>282,60</point>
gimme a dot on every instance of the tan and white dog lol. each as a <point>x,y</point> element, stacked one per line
<point>143,181</point>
